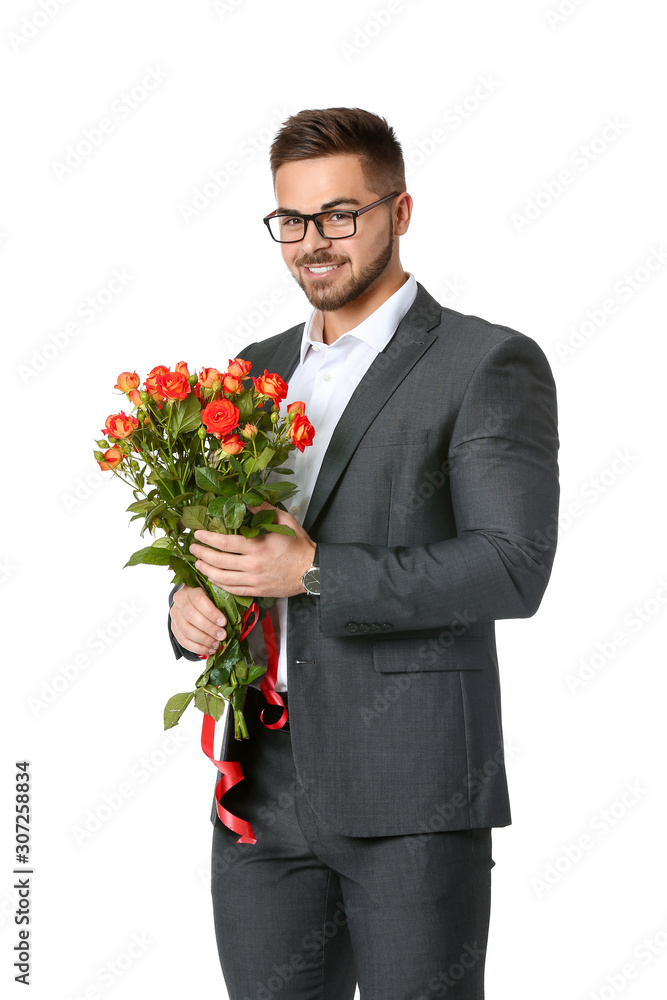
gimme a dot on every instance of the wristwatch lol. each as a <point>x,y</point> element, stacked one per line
<point>311,580</point>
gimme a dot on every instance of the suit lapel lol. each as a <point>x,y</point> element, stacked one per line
<point>390,367</point>
<point>284,356</point>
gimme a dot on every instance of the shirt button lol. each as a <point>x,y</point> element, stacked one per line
<point>314,347</point>
<point>326,378</point>
<point>294,509</point>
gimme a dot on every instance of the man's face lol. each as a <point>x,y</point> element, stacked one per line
<point>309,186</point>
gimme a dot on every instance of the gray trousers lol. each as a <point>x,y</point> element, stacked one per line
<point>307,913</point>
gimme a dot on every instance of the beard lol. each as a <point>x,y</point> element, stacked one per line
<point>328,299</point>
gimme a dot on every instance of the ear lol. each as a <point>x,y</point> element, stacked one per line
<point>402,213</point>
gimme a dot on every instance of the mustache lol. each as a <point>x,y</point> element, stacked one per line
<point>318,261</point>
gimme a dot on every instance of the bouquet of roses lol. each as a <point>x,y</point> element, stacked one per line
<point>199,452</point>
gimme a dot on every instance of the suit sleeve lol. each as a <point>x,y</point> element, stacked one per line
<point>503,484</point>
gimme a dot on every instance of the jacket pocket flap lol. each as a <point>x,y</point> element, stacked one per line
<point>410,655</point>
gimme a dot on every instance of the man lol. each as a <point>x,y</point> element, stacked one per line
<point>425,512</point>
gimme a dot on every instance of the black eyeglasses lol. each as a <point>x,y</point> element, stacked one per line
<point>332,225</point>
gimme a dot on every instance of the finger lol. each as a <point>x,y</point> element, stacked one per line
<point>203,603</point>
<point>197,626</point>
<point>198,643</point>
<point>223,543</point>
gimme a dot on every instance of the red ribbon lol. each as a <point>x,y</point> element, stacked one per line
<point>231,770</point>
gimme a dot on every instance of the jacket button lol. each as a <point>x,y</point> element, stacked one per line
<point>374,627</point>
<point>363,627</point>
<point>386,626</point>
<point>351,626</point>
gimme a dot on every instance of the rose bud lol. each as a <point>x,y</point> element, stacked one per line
<point>127,381</point>
<point>238,367</point>
<point>112,457</point>
<point>119,425</point>
<point>301,432</point>
<point>232,444</point>
<point>249,431</point>
<point>271,385</point>
<point>231,384</point>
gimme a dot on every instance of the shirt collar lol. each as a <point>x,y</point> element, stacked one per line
<point>376,330</point>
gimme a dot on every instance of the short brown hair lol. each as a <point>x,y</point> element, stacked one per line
<point>336,131</point>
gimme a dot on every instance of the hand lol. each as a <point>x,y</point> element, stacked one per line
<point>269,565</point>
<point>196,622</point>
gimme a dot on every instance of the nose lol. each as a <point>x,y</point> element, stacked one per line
<point>313,239</point>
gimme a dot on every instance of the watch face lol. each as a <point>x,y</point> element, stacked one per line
<point>311,580</point>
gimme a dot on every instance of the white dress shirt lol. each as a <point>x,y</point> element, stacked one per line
<point>324,380</point>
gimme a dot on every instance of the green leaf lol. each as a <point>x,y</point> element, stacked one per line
<point>209,703</point>
<point>186,416</point>
<point>208,478</point>
<point>162,543</point>
<point>279,529</point>
<point>235,464</point>
<point>281,487</point>
<point>217,506</point>
<point>251,499</point>
<point>194,517</point>
<point>263,517</point>
<point>244,601</point>
<point>217,524</point>
<point>141,506</point>
<point>151,556</point>
<point>229,656</point>
<point>245,404</point>
<point>157,511</point>
<point>284,472</point>
<point>167,485</point>
<point>227,603</point>
<point>175,707</point>
<point>233,513</point>
<point>219,676</point>
<point>248,532</point>
<point>264,458</point>
<point>255,671</point>
<point>184,574</point>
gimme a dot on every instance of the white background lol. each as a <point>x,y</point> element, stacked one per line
<point>518,94</point>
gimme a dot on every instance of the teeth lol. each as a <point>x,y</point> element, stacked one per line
<point>321,270</point>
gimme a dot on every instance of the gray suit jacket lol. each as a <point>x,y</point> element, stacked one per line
<point>435,513</point>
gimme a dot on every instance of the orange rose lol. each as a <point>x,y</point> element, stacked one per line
<point>182,369</point>
<point>297,407</point>
<point>220,417</point>
<point>210,378</point>
<point>249,431</point>
<point>112,458</point>
<point>232,444</point>
<point>271,385</point>
<point>127,381</point>
<point>301,432</point>
<point>134,397</point>
<point>231,384</point>
<point>151,381</point>
<point>119,425</point>
<point>172,385</point>
<point>238,367</point>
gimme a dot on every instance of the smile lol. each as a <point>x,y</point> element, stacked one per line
<point>323,269</point>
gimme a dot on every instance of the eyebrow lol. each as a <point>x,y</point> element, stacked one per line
<point>325,206</point>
